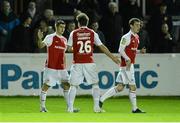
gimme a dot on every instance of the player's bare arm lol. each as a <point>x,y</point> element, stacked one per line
<point>105,50</point>
<point>40,42</point>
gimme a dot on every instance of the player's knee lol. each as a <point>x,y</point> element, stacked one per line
<point>45,87</point>
<point>119,87</point>
<point>132,88</point>
<point>65,85</point>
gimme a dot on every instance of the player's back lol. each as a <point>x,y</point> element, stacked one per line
<point>83,43</point>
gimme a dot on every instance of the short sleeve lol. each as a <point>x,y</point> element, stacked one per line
<point>48,40</point>
<point>123,43</point>
<point>97,40</point>
<point>70,40</point>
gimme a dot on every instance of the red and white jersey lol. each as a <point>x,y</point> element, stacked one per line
<point>82,40</point>
<point>128,45</point>
<point>56,47</point>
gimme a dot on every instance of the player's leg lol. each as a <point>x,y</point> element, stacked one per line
<point>43,94</point>
<point>132,90</point>
<point>65,86</point>
<point>132,96</point>
<point>96,95</point>
<point>76,78</point>
<point>64,79</point>
<point>111,92</point>
<point>50,78</point>
<point>133,100</point>
<point>121,78</point>
<point>72,95</point>
<point>91,76</point>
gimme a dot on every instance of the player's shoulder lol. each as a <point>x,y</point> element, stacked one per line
<point>89,29</point>
<point>62,37</point>
<point>51,35</point>
<point>84,29</point>
<point>126,36</point>
<point>74,31</point>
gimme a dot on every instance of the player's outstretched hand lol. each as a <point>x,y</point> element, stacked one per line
<point>117,60</point>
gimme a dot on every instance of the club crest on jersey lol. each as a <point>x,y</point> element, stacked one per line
<point>123,41</point>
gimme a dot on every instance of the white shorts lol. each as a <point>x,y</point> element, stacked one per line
<point>81,71</point>
<point>52,77</point>
<point>126,77</point>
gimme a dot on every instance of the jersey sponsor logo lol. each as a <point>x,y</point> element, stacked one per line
<point>58,47</point>
<point>133,48</point>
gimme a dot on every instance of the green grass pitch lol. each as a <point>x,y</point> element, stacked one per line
<point>26,109</point>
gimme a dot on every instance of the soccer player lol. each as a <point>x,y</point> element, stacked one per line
<point>55,67</point>
<point>81,43</point>
<point>128,49</point>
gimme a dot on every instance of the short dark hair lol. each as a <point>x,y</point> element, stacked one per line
<point>59,21</point>
<point>83,19</point>
<point>133,20</point>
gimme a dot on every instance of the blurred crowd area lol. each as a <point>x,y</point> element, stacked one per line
<point>20,21</point>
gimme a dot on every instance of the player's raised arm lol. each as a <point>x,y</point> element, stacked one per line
<point>104,49</point>
<point>40,42</point>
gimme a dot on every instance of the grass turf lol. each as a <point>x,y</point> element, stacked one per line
<point>26,109</point>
